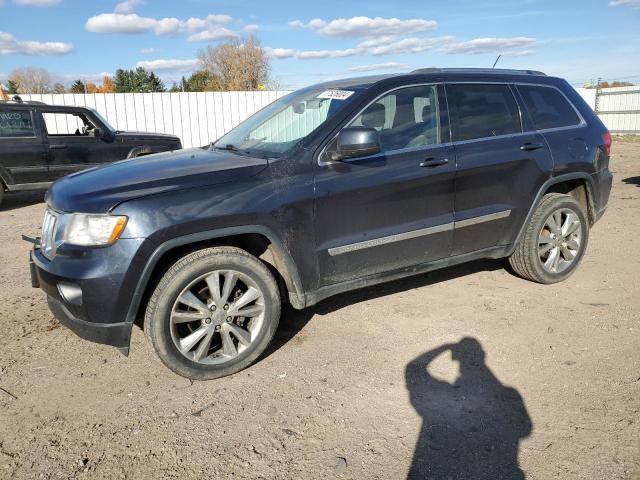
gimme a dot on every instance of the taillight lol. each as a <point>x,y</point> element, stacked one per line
<point>606,142</point>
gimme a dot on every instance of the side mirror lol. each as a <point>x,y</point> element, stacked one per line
<point>102,134</point>
<point>354,142</point>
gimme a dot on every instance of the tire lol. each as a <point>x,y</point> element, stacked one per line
<point>171,325</point>
<point>1,193</point>
<point>528,259</point>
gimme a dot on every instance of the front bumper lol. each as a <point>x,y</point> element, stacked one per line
<point>115,334</point>
<point>90,290</point>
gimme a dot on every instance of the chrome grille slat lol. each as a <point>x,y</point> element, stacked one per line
<point>47,240</point>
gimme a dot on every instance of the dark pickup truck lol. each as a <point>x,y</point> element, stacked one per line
<point>40,143</point>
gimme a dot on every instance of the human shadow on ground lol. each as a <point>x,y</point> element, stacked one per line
<point>632,181</point>
<point>471,428</point>
<point>293,321</point>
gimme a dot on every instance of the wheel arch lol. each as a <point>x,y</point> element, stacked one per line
<point>577,184</point>
<point>142,150</point>
<point>260,241</point>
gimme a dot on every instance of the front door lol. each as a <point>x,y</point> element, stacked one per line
<point>393,209</point>
<point>499,166</point>
<point>23,157</point>
<point>72,146</point>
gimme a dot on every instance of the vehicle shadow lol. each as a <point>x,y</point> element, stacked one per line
<point>293,321</point>
<point>632,181</point>
<point>15,200</point>
<point>471,428</point>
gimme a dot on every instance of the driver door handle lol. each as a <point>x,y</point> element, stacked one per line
<point>531,146</point>
<point>434,162</point>
<point>57,146</point>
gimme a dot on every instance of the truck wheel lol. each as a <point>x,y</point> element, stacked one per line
<point>554,241</point>
<point>213,313</point>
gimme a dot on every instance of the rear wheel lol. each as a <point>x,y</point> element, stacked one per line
<point>554,241</point>
<point>213,313</point>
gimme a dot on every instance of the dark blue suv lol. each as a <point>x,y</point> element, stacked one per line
<point>334,187</point>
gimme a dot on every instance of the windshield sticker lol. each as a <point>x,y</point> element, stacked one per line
<point>336,94</point>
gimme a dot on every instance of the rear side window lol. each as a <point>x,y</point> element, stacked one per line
<point>17,123</point>
<point>482,110</point>
<point>548,107</point>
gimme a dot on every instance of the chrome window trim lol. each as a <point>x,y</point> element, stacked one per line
<point>376,242</point>
<point>385,93</point>
<point>583,122</point>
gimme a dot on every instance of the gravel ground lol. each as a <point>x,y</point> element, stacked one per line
<point>467,372</point>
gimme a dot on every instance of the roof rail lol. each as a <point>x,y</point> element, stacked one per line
<point>479,70</point>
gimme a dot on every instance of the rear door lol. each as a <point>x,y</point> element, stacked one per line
<point>23,157</point>
<point>393,209</point>
<point>499,167</point>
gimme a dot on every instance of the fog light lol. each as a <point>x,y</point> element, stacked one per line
<point>70,293</point>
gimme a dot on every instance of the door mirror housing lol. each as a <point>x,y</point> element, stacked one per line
<point>355,142</point>
<point>103,134</point>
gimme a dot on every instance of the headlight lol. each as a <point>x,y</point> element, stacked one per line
<point>93,230</point>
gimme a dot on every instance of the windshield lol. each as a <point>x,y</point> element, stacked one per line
<point>103,120</point>
<point>276,129</point>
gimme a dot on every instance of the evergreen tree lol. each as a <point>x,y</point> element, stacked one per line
<point>12,87</point>
<point>78,87</point>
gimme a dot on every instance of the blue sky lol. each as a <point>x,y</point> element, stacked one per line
<point>315,41</point>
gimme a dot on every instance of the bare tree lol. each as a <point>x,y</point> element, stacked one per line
<point>237,65</point>
<point>31,80</point>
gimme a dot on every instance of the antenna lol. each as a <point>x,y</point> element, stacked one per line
<point>496,62</point>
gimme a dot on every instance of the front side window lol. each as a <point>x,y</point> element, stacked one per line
<point>67,124</point>
<point>548,107</point>
<point>276,129</point>
<point>16,123</point>
<point>482,110</point>
<point>406,118</point>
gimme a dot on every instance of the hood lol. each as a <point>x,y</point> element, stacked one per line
<point>147,136</point>
<point>100,189</point>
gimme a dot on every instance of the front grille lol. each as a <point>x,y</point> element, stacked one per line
<point>48,238</point>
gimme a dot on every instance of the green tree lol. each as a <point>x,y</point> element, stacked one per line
<point>12,87</point>
<point>137,80</point>
<point>78,87</point>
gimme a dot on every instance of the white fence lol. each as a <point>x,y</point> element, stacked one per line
<point>202,117</point>
<point>197,118</point>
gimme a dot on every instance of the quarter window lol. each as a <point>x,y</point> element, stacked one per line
<point>482,110</point>
<point>17,123</point>
<point>406,118</point>
<point>548,107</point>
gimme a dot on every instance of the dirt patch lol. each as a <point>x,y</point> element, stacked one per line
<point>371,384</point>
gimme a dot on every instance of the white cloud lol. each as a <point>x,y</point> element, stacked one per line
<point>380,66</point>
<point>134,24</point>
<point>252,27</point>
<point>489,45</point>
<point>149,50</point>
<point>128,6</point>
<point>10,45</point>
<point>37,3</point>
<point>213,33</point>
<point>624,3</point>
<point>377,47</point>
<point>366,26</point>
<point>280,52</point>
<point>169,65</point>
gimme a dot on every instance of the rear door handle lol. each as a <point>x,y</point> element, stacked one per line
<point>531,146</point>
<point>434,162</point>
<point>56,147</point>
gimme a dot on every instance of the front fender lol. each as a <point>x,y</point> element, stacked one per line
<point>296,292</point>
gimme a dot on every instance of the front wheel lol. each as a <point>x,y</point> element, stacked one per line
<point>554,241</point>
<point>213,313</point>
